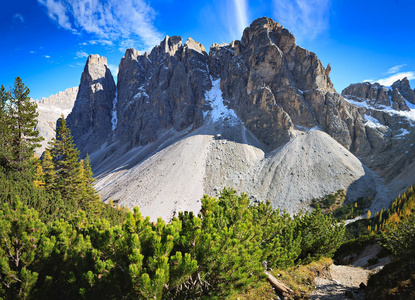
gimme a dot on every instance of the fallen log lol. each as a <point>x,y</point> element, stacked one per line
<point>279,286</point>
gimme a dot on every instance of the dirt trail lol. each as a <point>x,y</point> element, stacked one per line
<point>343,278</point>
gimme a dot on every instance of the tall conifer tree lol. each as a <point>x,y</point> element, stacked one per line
<point>5,137</point>
<point>90,197</point>
<point>23,120</point>
<point>65,160</point>
<point>48,168</point>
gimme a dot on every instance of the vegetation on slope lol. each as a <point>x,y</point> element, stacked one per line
<point>397,279</point>
<point>394,229</point>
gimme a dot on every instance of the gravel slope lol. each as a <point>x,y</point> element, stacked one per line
<point>174,173</point>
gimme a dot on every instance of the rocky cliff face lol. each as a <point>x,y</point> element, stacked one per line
<point>380,96</point>
<point>90,119</point>
<point>264,92</point>
<point>264,77</point>
<point>50,109</point>
<point>161,90</point>
<point>389,122</point>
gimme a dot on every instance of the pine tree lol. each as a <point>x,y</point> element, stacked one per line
<point>65,160</point>
<point>89,179</point>
<point>39,176</point>
<point>23,243</point>
<point>90,197</point>
<point>23,116</point>
<point>5,136</point>
<point>48,168</point>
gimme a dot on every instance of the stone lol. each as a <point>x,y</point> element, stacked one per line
<point>404,89</point>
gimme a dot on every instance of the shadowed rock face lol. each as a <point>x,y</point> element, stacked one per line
<point>380,96</point>
<point>90,119</point>
<point>273,85</point>
<point>404,89</point>
<point>389,124</point>
<point>161,90</point>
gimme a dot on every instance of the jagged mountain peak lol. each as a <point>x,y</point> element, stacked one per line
<point>404,89</point>
<point>379,96</point>
<point>132,53</point>
<point>96,59</point>
<point>90,119</point>
<point>196,46</point>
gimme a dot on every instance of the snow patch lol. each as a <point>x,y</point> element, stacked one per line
<point>219,110</point>
<point>403,133</point>
<point>114,119</point>
<point>374,123</point>
<point>358,103</point>
<point>139,94</point>
<point>410,115</point>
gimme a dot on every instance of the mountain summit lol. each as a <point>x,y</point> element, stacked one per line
<point>259,114</point>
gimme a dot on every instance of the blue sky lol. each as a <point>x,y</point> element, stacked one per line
<point>46,42</point>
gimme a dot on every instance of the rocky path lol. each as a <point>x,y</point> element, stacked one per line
<point>344,282</point>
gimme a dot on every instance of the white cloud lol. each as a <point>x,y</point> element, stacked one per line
<point>18,18</point>
<point>241,15</point>
<point>395,69</point>
<point>81,54</point>
<point>388,81</point>
<point>32,52</point>
<point>46,56</point>
<point>57,12</point>
<point>101,42</point>
<point>304,18</point>
<point>110,22</point>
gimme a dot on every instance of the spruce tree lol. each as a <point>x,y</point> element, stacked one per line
<point>5,136</point>
<point>23,120</point>
<point>65,159</point>
<point>89,196</point>
<point>89,180</point>
<point>39,176</point>
<point>48,168</point>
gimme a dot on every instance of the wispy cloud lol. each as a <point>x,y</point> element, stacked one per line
<point>306,19</point>
<point>46,56</point>
<point>110,22</point>
<point>18,18</point>
<point>241,14</point>
<point>81,54</point>
<point>388,81</point>
<point>395,69</point>
<point>57,12</point>
<point>394,75</point>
